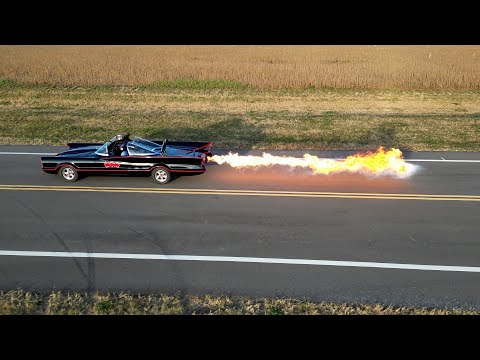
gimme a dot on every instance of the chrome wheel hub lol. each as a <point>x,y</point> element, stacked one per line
<point>161,176</point>
<point>68,174</point>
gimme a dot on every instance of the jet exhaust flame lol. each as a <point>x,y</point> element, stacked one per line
<point>380,162</point>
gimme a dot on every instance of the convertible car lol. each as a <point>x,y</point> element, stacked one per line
<point>122,155</point>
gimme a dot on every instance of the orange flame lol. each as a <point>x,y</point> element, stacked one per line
<point>380,162</point>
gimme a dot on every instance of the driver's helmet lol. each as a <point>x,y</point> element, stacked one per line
<point>119,137</point>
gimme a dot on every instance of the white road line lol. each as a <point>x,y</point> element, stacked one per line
<point>422,160</point>
<point>24,153</point>
<point>443,161</point>
<point>239,259</point>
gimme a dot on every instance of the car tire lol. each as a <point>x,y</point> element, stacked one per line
<point>68,173</point>
<point>161,175</point>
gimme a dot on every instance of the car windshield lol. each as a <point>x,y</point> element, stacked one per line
<point>103,150</point>
<point>146,144</point>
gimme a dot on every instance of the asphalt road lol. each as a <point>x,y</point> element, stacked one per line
<point>367,230</point>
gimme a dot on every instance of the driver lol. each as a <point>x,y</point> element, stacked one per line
<point>119,147</point>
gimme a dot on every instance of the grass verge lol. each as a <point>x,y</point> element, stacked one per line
<point>196,85</point>
<point>19,302</point>
<point>235,117</point>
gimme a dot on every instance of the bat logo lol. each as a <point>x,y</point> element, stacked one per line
<point>112,164</point>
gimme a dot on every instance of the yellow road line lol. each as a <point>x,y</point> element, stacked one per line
<point>165,189</point>
<point>244,193</point>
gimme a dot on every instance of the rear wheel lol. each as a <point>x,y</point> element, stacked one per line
<point>161,175</point>
<point>68,173</point>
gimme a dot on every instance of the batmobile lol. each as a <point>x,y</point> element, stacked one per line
<point>121,155</point>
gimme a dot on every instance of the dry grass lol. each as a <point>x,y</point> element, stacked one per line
<point>267,119</point>
<point>61,303</point>
<point>236,67</point>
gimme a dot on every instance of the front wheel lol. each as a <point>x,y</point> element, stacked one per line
<point>161,175</point>
<point>68,173</point>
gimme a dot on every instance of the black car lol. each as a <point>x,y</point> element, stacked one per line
<point>122,155</point>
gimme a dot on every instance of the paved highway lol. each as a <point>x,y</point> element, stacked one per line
<point>262,232</point>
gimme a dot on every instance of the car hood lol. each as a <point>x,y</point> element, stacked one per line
<point>80,151</point>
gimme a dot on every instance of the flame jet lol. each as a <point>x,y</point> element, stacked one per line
<point>380,162</point>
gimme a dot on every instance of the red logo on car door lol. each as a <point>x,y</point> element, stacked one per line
<point>112,164</point>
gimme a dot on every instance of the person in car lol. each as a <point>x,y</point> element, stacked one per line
<point>119,147</point>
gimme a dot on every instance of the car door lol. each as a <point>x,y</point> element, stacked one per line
<point>137,160</point>
<point>112,163</point>
<point>115,163</point>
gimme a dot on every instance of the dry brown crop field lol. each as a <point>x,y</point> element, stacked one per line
<point>268,67</point>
